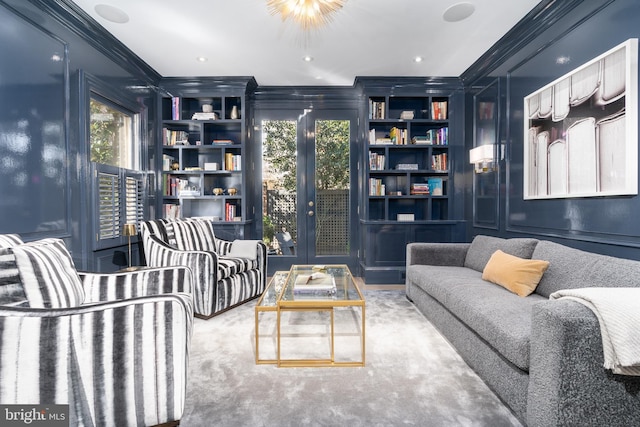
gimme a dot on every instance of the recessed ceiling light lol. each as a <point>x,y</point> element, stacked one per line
<point>202,59</point>
<point>112,14</point>
<point>458,12</point>
<point>417,59</point>
<point>561,60</point>
<point>307,58</point>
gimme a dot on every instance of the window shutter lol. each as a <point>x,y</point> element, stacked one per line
<point>108,206</point>
<point>134,207</point>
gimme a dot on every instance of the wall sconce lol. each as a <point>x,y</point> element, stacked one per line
<point>129,230</point>
<point>483,157</point>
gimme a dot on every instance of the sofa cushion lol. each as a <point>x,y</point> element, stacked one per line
<point>193,235</point>
<point>230,266</point>
<point>571,268</point>
<point>518,275</point>
<point>482,247</point>
<point>9,240</point>
<point>498,316</point>
<point>11,289</point>
<point>48,274</point>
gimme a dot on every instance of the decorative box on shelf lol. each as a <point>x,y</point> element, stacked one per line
<point>406,217</point>
<point>407,166</point>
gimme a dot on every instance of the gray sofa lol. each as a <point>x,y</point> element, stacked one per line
<point>542,357</point>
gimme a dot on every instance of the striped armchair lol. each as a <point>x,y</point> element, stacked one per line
<point>114,347</point>
<point>225,273</point>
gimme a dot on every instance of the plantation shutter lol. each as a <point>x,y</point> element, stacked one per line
<point>120,200</point>
<point>108,206</point>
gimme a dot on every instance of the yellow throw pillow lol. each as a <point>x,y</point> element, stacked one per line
<point>520,276</point>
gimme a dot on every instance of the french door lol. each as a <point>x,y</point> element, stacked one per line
<point>309,187</point>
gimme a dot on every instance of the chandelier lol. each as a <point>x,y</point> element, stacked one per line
<point>307,13</point>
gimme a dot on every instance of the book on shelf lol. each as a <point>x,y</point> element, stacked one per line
<point>204,116</point>
<point>436,186</point>
<point>407,166</point>
<point>439,110</point>
<point>376,187</point>
<point>222,142</point>
<point>174,186</point>
<point>398,136</point>
<point>439,162</point>
<point>419,189</point>
<point>232,162</point>
<point>175,108</point>
<point>167,161</point>
<point>433,137</point>
<point>375,140</point>
<point>376,161</point>
<point>315,283</point>
<point>376,109</point>
<point>231,212</point>
<point>174,137</point>
<point>172,211</point>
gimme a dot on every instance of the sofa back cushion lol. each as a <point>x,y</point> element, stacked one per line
<point>571,268</point>
<point>46,275</point>
<point>482,247</point>
<point>193,234</point>
<point>9,240</point>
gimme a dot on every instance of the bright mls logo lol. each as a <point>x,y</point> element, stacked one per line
<point>34,415</point>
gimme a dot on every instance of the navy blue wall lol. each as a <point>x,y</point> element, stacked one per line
<point>44,181</point>
<point>601,224</point>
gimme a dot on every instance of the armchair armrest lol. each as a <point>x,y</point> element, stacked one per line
<point>130,284</point>
<point>114,363</point>
<point>203,266</point>
<point>452,254</point>
<point>568,384</point>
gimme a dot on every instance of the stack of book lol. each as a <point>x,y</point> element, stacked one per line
<point>315,284</point>
<point>421,139</point>
<point>419,188</point>
<point>204,116</point>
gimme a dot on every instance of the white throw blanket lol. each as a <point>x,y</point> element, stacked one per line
<point>244,249</point>
<point>618,311</point>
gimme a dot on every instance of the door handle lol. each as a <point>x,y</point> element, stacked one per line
<point>310,213</point>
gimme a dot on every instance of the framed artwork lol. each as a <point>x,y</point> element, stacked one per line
<point>581,130</point>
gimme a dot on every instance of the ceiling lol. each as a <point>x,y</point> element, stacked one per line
<point>365,38</point>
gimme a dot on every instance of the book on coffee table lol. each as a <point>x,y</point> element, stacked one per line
<point>317,283</point>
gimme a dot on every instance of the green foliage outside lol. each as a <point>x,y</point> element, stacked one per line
<point>103,134</point>
<point>332,153</point>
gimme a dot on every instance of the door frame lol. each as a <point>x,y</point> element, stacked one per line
<point>305,121</point>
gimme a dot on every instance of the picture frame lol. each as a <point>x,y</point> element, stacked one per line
<point>581,130</point>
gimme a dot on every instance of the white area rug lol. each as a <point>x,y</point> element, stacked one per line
<point>412,377</point>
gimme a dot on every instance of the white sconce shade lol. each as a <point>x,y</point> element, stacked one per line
<point>482,157</point>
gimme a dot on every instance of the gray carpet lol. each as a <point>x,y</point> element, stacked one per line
<point>412,375</point>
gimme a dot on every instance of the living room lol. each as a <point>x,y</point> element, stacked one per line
<point>50,185</point>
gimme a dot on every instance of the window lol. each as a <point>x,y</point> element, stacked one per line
<point>115,155</point>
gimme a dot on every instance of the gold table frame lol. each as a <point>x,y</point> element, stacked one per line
<point>279,297</point>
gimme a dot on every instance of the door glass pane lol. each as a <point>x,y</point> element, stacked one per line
<point>279,155</point>
<point>332,187</point>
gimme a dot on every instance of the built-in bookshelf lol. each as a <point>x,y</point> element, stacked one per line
<point>407,178</point>
<point>408,158</point>
<point>204,156</point>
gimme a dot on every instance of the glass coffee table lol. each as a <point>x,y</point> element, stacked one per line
<point>331,288</point>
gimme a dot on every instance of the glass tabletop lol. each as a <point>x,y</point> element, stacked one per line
<point>325,275</point>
